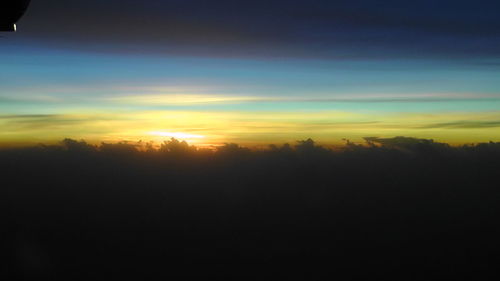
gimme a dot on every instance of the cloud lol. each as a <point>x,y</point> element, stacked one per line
<point>464,125</point>
<point>28,116</point>
<point>204,99</point>
<point>298,28</point>
<point>40,121</point>
<point>183,99</point>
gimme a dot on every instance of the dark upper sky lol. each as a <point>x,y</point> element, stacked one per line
<point>291,28</point>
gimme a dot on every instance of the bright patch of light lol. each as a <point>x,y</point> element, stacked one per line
<point>183,99</point>
<point>176,135</point>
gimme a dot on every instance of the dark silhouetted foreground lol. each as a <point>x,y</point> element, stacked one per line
<point>399,208</point>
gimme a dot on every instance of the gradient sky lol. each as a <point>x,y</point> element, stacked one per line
<point>251,72</point>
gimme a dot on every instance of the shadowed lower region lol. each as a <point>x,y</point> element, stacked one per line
<point>391,209</point>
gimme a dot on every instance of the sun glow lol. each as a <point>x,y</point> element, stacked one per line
<point>182,99</point>
<point>176,135</point>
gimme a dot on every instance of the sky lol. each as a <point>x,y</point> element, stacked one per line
<point>251,72</point>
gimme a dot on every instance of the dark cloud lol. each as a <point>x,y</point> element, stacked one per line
<point>38,121</point>
<point>28,116</point>
<point>398,100</point>
<point>299,28</point>
<point>464,125</point>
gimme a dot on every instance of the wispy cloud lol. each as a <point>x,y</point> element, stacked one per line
<point>464,125</point>
<point>40,122</point>
<point>182,99</point>
<point>29,116</point>
<point>203,99</point>
<point>30,99</point>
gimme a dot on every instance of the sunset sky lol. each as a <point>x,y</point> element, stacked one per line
<point>251,72</point>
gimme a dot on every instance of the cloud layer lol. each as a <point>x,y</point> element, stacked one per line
<point>297,28</point>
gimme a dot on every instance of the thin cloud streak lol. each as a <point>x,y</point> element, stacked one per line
<point>173,99</point>
<point>466,124</point>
